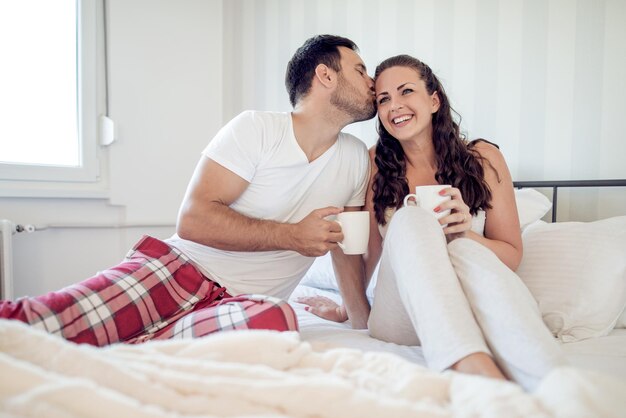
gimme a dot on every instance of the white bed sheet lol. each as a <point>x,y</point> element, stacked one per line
<point>321,333</point>
<point>606,354</point>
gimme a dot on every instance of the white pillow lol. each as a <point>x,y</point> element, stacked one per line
<point>322,276</point>
<point>531,206</point>
<point>577,273</point>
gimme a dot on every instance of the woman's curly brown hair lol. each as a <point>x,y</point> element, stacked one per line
<point>458,163</point>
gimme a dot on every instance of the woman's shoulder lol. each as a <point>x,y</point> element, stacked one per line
<point>482,145</point>
<point>487,150</point>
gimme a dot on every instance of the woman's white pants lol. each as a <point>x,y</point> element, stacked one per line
<point>457,299</point>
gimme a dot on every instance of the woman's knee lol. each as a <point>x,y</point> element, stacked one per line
<point>412,214</point>
<point>413,220</point>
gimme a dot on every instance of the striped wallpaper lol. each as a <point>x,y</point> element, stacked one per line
<point>546,80</point>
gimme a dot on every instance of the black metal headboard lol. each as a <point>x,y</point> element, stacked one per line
<point>554,185</point>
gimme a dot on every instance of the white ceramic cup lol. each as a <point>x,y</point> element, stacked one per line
<point>356,231</point>
<point>428,197</point>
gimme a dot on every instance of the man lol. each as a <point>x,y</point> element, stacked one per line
<point>253,216</point>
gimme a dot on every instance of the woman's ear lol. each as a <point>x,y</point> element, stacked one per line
<point>435,102</point>
<point>325,75</point>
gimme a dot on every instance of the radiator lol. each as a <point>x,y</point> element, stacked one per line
<point>7,229</point>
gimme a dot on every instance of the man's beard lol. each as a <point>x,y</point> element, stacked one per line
<point>347,99</point>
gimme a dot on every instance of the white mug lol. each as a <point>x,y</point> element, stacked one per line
<point>356,231</point>
<point>428,197</point>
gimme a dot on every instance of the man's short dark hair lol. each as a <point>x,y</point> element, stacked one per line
<point>320,49</point>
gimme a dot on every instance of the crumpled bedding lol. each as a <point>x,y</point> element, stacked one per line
<point>267,374</point>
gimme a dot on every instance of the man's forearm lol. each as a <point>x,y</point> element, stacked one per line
<point>222,227</point>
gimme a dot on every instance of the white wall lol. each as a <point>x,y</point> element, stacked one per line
<point>165,72</point>
<point>165,96</point>
<point>543,79</point>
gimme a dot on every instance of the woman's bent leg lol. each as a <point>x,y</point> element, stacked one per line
<point>417,278</point>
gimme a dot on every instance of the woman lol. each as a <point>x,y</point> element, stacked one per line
<point>445,284</point>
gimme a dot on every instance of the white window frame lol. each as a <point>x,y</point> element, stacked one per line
<point>86,180</point>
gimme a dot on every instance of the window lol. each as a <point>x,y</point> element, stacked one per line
<point>52,52</point>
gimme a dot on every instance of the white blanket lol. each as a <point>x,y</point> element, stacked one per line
<point>269,374</point>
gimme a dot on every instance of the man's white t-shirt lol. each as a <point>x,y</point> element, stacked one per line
<point>261,148</point>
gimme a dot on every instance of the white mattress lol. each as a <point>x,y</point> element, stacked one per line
<point>605,354</point>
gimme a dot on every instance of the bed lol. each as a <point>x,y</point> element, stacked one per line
<point>331,370</point>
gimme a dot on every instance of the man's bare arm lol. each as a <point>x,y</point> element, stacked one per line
<point>206,218</point>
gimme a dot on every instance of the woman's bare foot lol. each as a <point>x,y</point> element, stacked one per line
<point>479,363</point>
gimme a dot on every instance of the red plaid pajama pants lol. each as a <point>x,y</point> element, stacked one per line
<point>155,293</point>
